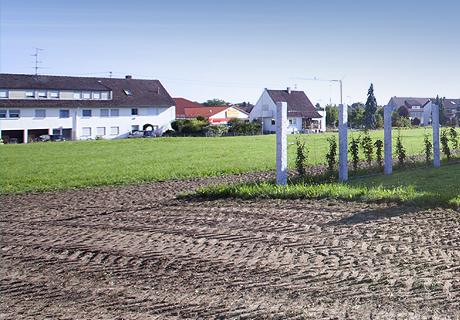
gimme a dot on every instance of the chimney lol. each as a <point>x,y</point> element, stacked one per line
<point>128,77</point>
<point>289,90</point>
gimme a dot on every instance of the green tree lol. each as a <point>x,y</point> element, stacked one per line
<point>332,114</point>
<point>216,103</point>
<point>370,109</point>
<point>443,118</point>
<point>403,111</point>
<point>356,115</point>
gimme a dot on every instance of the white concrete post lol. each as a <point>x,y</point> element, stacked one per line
<point>387,137</point>
<point>435,115</point>
<point>281,143</point>
<point>343,142</point>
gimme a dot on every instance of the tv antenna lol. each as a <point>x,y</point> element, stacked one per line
<point>329,80</point>
<point>36,59</point>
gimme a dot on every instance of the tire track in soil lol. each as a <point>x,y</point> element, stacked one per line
<point>227,259</point>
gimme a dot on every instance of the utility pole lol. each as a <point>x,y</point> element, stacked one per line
<point>36,59</point>
<point>329,80</point>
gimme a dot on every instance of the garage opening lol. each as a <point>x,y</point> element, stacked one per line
<point>35,133</point>
<point>13,136</point>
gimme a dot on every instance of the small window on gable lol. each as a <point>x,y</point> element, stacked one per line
<point>128,92</point>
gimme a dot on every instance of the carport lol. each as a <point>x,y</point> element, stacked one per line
<point>35,133</point>
<point>9,136</point>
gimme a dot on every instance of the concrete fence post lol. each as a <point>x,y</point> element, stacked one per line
<point>435,123</point>
<point>343,142</point>
<point>388,158</point>
<point>281,143</point>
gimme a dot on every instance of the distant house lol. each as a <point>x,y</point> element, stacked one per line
<point>81,108</point>
<point>216,115</point>
<point>181,104</point>
<point>421,107</point>
<point>302,115</point>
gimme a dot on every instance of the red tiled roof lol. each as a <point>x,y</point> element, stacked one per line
<point>184,103</point>
<point>192,113</point>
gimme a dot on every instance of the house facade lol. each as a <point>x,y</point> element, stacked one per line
<point>302,115</point>
<point>81,108</point>
<point>421,107</point>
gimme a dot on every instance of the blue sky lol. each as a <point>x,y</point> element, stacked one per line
<point>232,50</point>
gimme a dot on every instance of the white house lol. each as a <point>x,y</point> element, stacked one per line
<point>302,115</point>
<point>81,108</point>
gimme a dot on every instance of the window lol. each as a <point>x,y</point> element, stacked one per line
<point>2,113</point>
<point>114,112</point>
<point>86,95</point>
<point>292,121</point>
<point>86,131</point>
<point>30,94</point>
<point>42,94</point>
<point>14,113</point>
<point>128,93</point>
<point>56,131</point>
<point>86,113</point>
<point>273,122</point>
<point>3,94</point>
<point>40,113</point>
<point>134,128</point>
<point>54,94</point>
<point>96,95</point>
<point>77,95</point>
<point>134,111</point>
<point>100,131</point>
<point>104,112</point>
<point>63,113</point>
<point>114,130</point>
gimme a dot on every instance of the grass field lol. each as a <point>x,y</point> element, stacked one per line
<point>74,164</point>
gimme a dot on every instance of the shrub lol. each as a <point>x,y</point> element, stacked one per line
<point>301,158</point>
<point>368,148</point>
<point>216,129</point>
<point>354,149</point>
<point>331,156</point>
<point>379,153</point>
<point>400,151</point>
<point>445,144</point>
<point>428,149</point>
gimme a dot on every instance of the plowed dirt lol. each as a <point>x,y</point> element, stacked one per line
<point>136,252</point>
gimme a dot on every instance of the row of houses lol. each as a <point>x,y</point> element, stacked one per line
<point>421,107</point>
<point>83,108</point>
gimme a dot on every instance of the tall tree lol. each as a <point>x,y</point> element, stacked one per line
<point>370,109</point>
<point>332,114</point>
<point>443,118</point>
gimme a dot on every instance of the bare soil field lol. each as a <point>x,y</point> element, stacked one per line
<point>136,252</point>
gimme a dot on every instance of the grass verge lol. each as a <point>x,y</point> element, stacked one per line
<point>430,187</point>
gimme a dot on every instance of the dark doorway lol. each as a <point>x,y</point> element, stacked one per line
<point>13,136</point>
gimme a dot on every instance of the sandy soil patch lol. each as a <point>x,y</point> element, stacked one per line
<point>137,253</point>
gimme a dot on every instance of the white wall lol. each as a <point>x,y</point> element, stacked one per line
<point>264,109</point>
<point>161,117</point>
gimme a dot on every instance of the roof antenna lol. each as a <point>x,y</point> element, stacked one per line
<point>36,59</point>
<point>110,74</point>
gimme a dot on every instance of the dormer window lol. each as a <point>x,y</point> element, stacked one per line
<point>42,94</point>
<point>127,92</point>
<point>96,95</point>
<point>30,94</point>
<point>3,94</point>
<point>86,94</point>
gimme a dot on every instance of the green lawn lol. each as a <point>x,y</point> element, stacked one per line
<point>74,164</point>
